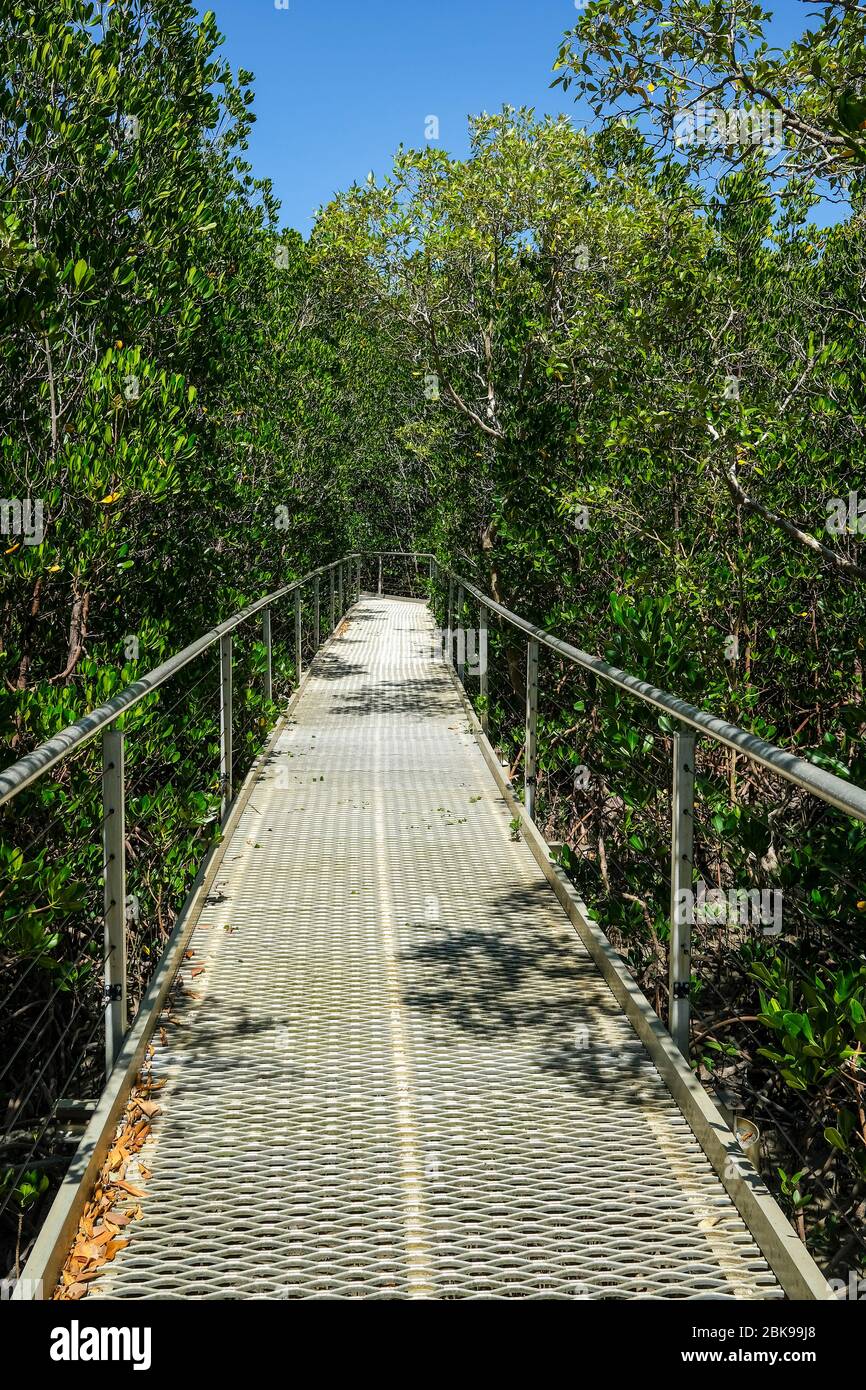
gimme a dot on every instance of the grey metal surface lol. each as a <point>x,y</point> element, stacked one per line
<point>397,1073</point>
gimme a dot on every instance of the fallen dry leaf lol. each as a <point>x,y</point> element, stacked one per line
<point>86,1250</point>
<point>131,1188</point>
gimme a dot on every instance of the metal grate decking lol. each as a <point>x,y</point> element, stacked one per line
<point>400,1074</point>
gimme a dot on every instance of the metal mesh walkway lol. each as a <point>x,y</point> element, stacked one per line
<point>399,1073</point>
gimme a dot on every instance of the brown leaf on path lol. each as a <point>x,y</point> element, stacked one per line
<point>87,1250</point>
<point>131,1188</point>
<point>98,1236</point>
<point>112,1249</point>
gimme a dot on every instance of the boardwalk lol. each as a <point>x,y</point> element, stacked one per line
<point>400,1074</point>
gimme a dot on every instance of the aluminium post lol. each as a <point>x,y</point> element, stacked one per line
<point>298,650</point>
<point>682,848</point>
<point>269,654</point>
<point>114,879</point>
<point>483,685</point>
<point>530,750</point>
<point>226,758</point>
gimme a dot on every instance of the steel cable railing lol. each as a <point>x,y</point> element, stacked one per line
<point>612,769</point>
<point>84,922</point>
<point>751,944</point>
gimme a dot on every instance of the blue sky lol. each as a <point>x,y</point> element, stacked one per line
<point>341,83</point>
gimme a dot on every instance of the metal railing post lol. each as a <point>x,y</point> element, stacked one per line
<point>449,639</point>
<point>483,688</point>
<point>298,652</point>
<point>380,576</point>
<point>530,751</point>
<point>340,588</point>
<point>316,613</point>
<point>226,758</point>
<point>682,841</point>
<point>461,638</point>
<point>114,879</point>
<point>331,577</point>
<point>269,653</point>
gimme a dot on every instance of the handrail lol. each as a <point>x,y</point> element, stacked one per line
<point>845,796</point>
<point>33,765</point>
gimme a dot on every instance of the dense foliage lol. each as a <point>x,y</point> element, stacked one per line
<point>618,382</point>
